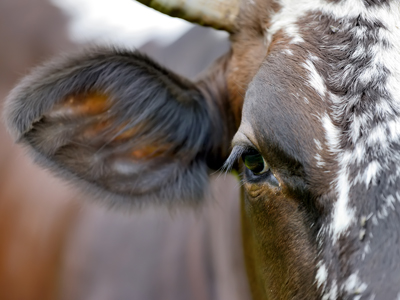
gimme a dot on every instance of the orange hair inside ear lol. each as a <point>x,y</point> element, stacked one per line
<point>92,104</point>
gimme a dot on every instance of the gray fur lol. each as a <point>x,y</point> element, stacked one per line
<point>171,112</point>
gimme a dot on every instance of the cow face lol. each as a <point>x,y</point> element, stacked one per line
<point>310,88</point>
<point>319,141</point>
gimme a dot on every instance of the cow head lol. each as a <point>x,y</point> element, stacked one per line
<point>318,134</point>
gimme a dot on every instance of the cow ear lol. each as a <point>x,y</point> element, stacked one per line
<point>120,123</point>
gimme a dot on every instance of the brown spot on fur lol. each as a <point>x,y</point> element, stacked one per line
<point>91,104</point>
<point>150,151</point>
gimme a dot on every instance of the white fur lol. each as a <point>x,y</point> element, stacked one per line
<point>315,80</point>
<point>332,293</point>
<point>286,19</point>
<point>371,172</point>
<point>318,144</point>
<point>342,215</point>
<point>353,284</point>
<point>386,207</point>
<point>292,10</point>
<point>288,52</point>
<point>322,274</point>
<point>332,134</point>
<point>320,162</point>
<point>359,153</point>
<point>376,140</point>
<point>360,52</point>
<point>378,136</point>
<point>394,130</point>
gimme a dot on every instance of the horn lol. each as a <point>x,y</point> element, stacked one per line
<point>220,14</point>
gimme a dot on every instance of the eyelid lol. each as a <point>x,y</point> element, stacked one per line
<point>240,139</point>
<point>245,134</point>
<point>240,143</point>
<point>266,165</point>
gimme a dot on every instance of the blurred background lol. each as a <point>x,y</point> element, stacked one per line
<point>55,245</point>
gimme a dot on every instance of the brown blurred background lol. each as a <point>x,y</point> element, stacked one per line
<point>54,245</point>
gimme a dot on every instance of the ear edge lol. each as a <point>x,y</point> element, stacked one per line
<point>19,124</point>
<point>170,198</point>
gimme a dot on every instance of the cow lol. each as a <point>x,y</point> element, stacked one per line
<point>305,106</point>
<point>54,246</point>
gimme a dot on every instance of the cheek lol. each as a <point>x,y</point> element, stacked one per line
<point>281,244</point>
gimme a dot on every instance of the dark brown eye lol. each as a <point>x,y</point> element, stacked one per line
<point>254,161</point>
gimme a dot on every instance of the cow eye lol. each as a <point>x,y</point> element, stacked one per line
<point>254,161</point>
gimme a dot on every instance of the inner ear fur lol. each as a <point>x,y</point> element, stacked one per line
<point>120,125</point>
